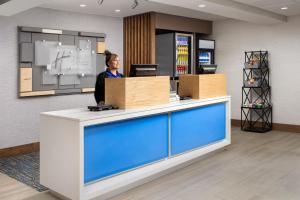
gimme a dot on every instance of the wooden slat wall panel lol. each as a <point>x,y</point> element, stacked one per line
<point>152,36</point>
<point>139,40</point>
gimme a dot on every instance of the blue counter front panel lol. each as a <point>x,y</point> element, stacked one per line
<point>120,146</point>
<point>197,127</point>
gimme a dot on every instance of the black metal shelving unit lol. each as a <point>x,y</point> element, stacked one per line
<point>256,108</point>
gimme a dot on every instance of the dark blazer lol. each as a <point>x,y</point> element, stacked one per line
<point>100,86</point>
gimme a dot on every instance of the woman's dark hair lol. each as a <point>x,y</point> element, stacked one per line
<point>109,57</point>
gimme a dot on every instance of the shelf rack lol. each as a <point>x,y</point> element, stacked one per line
<point>256,108</point>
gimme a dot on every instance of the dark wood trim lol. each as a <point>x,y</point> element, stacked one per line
<point>286,127</point>
<point>235,122</point>
<point>184,24</point>
<point>17,150</point>
<point>276,126</point>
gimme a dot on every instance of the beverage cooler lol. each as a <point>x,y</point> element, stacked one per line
<point>184,54</point>
<point>174,54</point>
<point>205,61</point>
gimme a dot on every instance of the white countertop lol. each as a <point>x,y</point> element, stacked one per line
<point>83,114</point>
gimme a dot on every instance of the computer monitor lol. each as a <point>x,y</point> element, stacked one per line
<point>206,69</point>
<point>138,70</point>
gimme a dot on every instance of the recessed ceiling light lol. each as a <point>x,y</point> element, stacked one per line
<point>201,6</point>
<point>82,5</point>
<point>284,8</point>
<point>117,10</point>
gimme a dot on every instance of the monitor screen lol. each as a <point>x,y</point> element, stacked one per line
<point>205,58</point>
<point>138,70</point>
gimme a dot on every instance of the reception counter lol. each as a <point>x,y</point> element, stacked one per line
<point>88,155</point>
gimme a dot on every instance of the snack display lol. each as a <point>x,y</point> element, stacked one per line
<point>256,108</point>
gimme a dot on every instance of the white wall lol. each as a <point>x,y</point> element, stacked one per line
<point>283,43</point>
<point>19,118</point>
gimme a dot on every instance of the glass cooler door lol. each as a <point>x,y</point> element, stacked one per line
<point>184,54</point>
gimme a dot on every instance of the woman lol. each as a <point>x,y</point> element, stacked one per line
<point>112,63</point>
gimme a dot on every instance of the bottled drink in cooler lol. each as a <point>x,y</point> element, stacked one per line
<point>182,49</point>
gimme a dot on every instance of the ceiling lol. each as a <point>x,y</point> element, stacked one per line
<point>256,11</point>
<point>12,7</point>
<point>230,9</point>
<point>109,6</point>
<point>275,5</point>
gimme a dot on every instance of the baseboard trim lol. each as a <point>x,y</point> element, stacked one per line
<point>18,150</point>
<point>286,127</point>
<point>235,122</point>
<point>276,126</point>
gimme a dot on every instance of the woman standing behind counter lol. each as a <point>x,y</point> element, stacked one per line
<point>112,62</point>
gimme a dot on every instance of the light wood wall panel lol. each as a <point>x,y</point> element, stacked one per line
<point>101,46</point>
<point>86,90</point>
<point>139,40</point>
<point>37,93</point>
<point>25,79</point>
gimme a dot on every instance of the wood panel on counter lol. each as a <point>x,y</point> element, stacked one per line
<point>203,86</point>
<point>139,40</point>
<point>137,92</point>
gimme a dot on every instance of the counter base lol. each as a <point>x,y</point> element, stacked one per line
<point>116,185</point>
<point>71,160</point>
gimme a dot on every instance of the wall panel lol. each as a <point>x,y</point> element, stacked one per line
<point>139,40</point>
